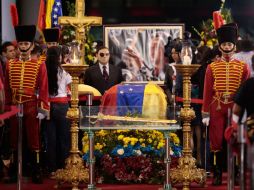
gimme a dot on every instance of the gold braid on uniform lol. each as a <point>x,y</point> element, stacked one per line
<point>23,79</point>
<point>227,79</point>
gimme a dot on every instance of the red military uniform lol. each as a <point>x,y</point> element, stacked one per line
<point>222,80</point>
<point>27,83</point>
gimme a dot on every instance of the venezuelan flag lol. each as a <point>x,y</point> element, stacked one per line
<point>53,11</point>
<point>147,100</point>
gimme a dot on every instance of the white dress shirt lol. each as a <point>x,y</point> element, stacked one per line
<point>101,68</point>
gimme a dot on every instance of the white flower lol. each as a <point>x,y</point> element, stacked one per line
<point>73,33</point>
<point>94,44</point>
<point>65,37</point>
<point>171,152</point>
<point>120,151</point>
<point>138,152</point>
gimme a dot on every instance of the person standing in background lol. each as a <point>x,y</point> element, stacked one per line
<point>222,79</point>
<point>51,36</point>
<point>245,50</point>
<point>26,84</point>
<point>8,52</point>
<point>58,127</point>
<point>2,101</point>
<point>103,75</point>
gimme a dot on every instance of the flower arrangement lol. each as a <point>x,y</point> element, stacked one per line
<point>208,32</point>
<point>131,156</point>
<point>68,34</point>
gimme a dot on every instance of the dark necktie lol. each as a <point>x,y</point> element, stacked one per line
<point>105,73</point>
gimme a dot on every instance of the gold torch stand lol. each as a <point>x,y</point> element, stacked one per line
<point>186,171</point>
<point>74,171</point>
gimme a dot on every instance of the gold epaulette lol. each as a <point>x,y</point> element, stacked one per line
<point>43,58</point>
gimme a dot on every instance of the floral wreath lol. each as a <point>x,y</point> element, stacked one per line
<point>208,28</point>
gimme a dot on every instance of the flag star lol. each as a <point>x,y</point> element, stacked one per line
<point>56,9</point>
<point>130,89</point>
<point>121,92</point>
<point>58,3</point>
<point>55,22</point>
<point>54,16</point>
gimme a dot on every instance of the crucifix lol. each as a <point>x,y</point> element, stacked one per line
<point>81,23</point>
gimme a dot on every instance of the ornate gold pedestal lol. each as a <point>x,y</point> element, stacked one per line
<point>74,171</point>
<point>186,171</point>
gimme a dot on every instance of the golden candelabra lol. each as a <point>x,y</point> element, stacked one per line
<point>186,171</point>
<point>74,171</point>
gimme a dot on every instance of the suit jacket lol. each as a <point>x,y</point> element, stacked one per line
<point>93,77</point>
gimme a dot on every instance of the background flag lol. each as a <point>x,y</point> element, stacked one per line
<point>41,23</point>
<point>54,10</point>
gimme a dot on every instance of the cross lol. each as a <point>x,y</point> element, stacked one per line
<point>81,23</point>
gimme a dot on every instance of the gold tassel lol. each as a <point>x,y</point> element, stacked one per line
<point>218,106</point>
<point>37,157</point>
<point>214,158</point>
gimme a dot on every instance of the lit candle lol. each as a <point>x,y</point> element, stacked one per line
<point>75,59</point>
<point>186,58</point>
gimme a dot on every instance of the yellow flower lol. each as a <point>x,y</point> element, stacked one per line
<point>209,43</point>
<point>160,145</point>
<point>126,140</point>
<point>143,145</point>
<point>102,133</point>
<point>121,131</point>
<point>85,148</point>
<point>120,137</point>
<point>176,140</point>
<point>85,137</point>
<point>90,57</point>
<point>98,146</point>
<point>133,141</point>
<point>149,140</point>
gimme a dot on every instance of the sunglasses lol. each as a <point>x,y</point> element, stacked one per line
<point>103,54</point>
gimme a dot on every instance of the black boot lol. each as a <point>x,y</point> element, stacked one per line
<point>217,169</point>
<point>37,172</point>
<point>237,175</point>
<point>217,176</point>
<point>13,169</point>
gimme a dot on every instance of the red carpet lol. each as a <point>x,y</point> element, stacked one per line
<point>49,185</point>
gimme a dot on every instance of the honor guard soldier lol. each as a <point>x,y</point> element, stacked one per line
<point>51,36</point>
<point>26,85</point>
<point>222,79</point>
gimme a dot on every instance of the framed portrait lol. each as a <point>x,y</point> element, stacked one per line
<point>140,49</point>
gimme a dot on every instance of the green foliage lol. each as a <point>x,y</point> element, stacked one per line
<point>208,33</point>
<point>71,8</point>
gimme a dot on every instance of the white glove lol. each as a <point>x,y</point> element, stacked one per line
<point>40,116</point>
<point>206,121</point>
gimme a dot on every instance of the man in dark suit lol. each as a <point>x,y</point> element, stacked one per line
<point>103,75</point>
